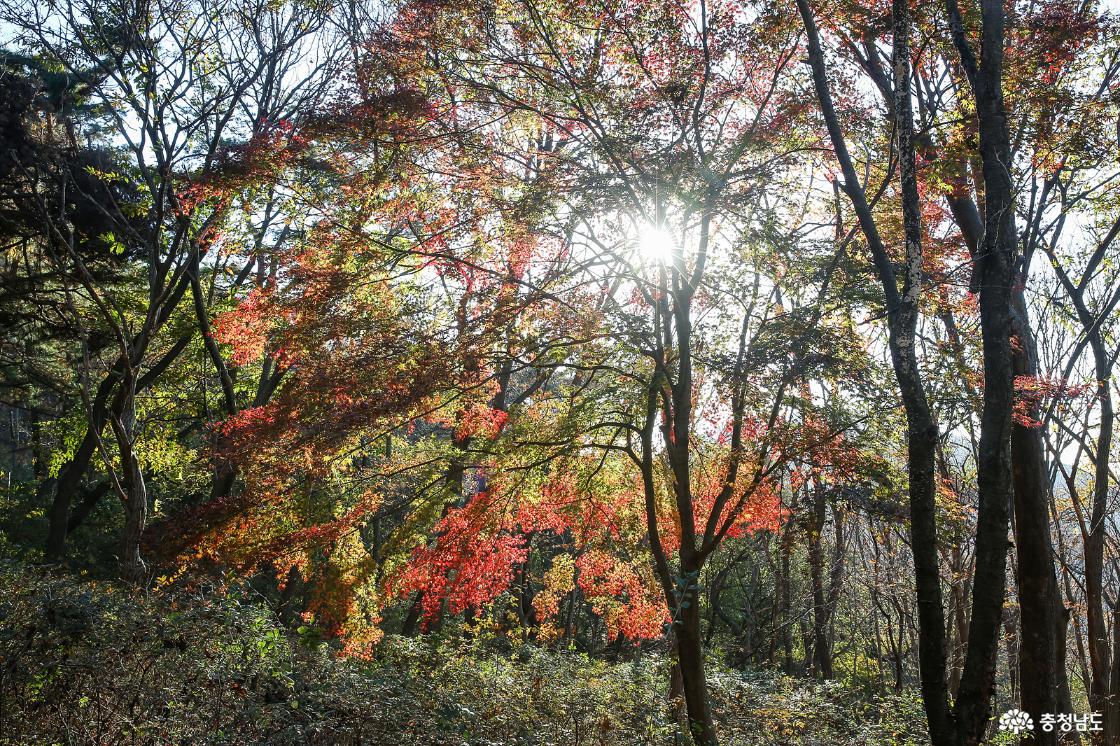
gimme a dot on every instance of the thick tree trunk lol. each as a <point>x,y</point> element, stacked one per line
<point>932,644</point>
<point>690,657</point>
<point>994,483</point>
<point>1041,664</point>
<point>1042,660</point>
<point>973,709</point>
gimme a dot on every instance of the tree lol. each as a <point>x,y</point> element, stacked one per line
<point>902,316</point>
<point>170,107</point>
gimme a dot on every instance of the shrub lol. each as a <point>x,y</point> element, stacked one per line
<point>87,662</point>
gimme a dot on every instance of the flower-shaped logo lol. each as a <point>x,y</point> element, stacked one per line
<point>1016,721</point>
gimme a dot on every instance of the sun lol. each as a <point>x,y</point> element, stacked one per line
<point>655,244</point>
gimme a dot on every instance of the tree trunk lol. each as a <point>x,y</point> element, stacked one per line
<point>71,473</point>
<point>784,598</point>
<point>822,658</point>
<point>690,657</point>
<point>1102,697</point>
<point>1041,666</point>
<point>902,314</point>
<point>225,472</point>
<point>1011,643</point>
<point>1112,708</point>
<point>973,709</point>
<point>677,709</point>
<point>411,624</point>
<point>835,579</point>
<point>1042,661</point>
<point>70,476</point>
<point>959,621</point>
<point>65,487</point>
<point>134,492</point>
<point>90,497</point>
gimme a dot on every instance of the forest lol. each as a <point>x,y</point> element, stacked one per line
<point>559,372</point>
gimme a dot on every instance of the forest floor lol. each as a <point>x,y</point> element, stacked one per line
<point>84,661</point>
